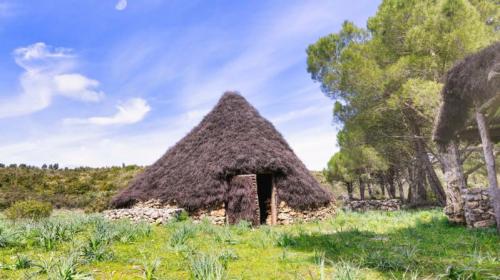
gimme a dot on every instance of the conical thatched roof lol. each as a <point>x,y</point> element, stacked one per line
<point>468,84</point>
<point>232,139</point>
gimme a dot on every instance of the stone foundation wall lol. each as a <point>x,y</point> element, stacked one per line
<point>372,204</point>
<point>216,216</point>
<point>478,209</point>
<point>287,215</point>
<point>145,214</point>
<point>154,211</point>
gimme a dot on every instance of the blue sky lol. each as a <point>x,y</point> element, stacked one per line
<point>105,82</point>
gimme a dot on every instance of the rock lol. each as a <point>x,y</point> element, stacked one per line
<point>486,223</point>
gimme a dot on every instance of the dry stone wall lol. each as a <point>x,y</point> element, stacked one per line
<point>287,215</point>
<point>150,215</point>
<point>478,209</point>
<point>154,211</point>
<point>373,204</point>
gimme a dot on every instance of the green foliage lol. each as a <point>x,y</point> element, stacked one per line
<point>89,188</point>
<point>22,262</point>
<point>149,269</point>
<point>181,235</point>
<point>28,209</point>
<point>66,268</point>
<point>183,216</point>
<point>206,267</point>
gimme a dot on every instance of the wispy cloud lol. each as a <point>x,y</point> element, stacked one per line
<point>121,5</point>
<point>48,72</point>
<point>131,111</point>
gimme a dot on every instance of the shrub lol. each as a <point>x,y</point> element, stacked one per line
<point>28,209</point>
<point>183,216</point>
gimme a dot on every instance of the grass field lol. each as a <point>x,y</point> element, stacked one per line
<point>373,245</point>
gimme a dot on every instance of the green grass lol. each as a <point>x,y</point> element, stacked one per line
<point>373,245</point>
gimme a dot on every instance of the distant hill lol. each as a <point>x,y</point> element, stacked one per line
<point>84,187</point>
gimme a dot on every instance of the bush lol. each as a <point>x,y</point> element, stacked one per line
<point>28,209</point>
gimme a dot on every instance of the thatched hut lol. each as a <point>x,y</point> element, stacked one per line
<point>235,160</point>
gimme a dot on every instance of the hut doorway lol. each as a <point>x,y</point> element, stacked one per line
<point>252,198</point>
<point>265,196</point>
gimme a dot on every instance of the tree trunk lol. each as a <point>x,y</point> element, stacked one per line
<point>361,189</point>
<point>350,190</point>
<point>401,191</point>
<point>382,188</point>
<point>424,163</point>
<point>370,190</point>
<point>417,195</point>
<point>489,158</point>
<point>455,183</point>
<point>389,180</point>
<point>431,175</point>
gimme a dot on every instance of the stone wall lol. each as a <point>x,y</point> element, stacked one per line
<point>373,204</point>
<point>216,216</point>
<point>154,211</point>
<point>287,215</point>
<point>478,209</point>
<point>150,215</point>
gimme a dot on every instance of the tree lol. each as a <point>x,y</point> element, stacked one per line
<point>386,80</point>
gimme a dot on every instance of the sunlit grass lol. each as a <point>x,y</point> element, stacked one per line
<point>373,245</point>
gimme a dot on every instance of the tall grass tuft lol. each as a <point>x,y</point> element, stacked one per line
<point>67,269</point>
<point>8,237</point>
<point>149,269</point>
<point>206,267</point>
<point>181,235</point>
<point>346,271</point>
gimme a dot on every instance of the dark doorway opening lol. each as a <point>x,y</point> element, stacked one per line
<point>264,193</point>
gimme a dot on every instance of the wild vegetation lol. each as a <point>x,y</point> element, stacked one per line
<point>373,245</point>
<point>89,188</point>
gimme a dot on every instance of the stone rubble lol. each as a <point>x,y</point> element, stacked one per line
<point>478,209</point>
<point>373,204</point>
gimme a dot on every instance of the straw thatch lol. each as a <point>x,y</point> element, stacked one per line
<point>468,85</point>
<point>232,139</point>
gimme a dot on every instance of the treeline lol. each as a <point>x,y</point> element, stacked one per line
<point>83,187</point>
<point>386,80</point>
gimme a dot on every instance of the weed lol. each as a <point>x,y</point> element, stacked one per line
<point>206,267</point>
<point>226,256</point>
<point>22,262</point>
<point>346,271</point>
<point>149,269</point>
<point>96,249</point>
<point>8,237</point>
<point>67,269</point>
<point>180,236</point>
<point>285,240</point>
<point>242,227</point>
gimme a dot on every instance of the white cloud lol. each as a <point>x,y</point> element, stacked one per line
<point>47,73</point>
<point>78,86</point>
<point>132,111</point>
<point>121,5</point>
